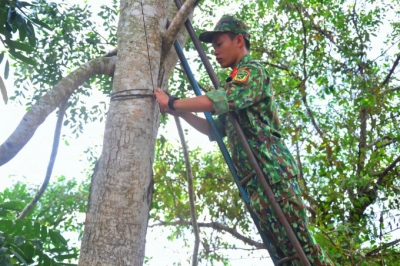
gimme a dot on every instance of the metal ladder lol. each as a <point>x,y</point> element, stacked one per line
<point>299,252</point>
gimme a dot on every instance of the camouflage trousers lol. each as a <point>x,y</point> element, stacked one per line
<point>287,194</point>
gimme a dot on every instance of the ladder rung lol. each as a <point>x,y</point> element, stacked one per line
<point>247,178</point>
<point>286,259</point>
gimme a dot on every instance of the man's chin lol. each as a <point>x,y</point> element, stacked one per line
<point>223,65</point>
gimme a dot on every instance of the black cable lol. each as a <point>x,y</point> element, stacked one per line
<point>148,54</point>
<point>127,95</point>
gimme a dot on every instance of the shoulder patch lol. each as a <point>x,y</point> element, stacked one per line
<point>242,76</point>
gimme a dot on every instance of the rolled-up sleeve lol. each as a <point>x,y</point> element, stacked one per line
<point>219,100</point>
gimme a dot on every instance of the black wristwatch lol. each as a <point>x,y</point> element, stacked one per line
<point>171,102</point>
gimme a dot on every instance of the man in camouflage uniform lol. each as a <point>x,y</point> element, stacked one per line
<point>248,94</point>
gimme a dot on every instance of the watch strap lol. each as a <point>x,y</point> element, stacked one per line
<point>171,102</point>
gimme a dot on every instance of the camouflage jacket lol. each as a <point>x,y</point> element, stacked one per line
<point>249,90</point>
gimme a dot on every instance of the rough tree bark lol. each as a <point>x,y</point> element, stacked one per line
<point>121,188</point>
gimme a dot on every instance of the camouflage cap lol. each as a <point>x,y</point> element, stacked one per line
<point>227,23</point>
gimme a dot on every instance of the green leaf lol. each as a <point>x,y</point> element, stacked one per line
<point>22,33</point>
<point>19,257</point>
<point>1,57</point>
<point>41,23</point>
<point>19,240</point>
<point>36,228</point>
<point>6,225</point>
<point>43,233</point>
<point>20,46</point>
<point>37,243</point>
<point>31,34</point>
<point>7,70</point>
<point>3,90</point>
<point>2,251</point>
<point>25,4</point>
<point>23,58</point>
<point>12,205</point>
<point>57,238</point>
<point>66,257</point>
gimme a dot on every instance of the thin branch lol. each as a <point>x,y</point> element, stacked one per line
<point>329,238</point>
<point>390,90</point>
<point>305,42</point>
<point>219,227</point>
<point>49,102</point>
<point>189,176</point>
<point>363,141</point>
<point>387,170</point>
<point>354,20</point>
<point>396,62</point>
<point>378,141</point>
<point>176,24</point>
<point>50,166</point>
<point>384,246</point>
<point>281,67</point>
<point>387,49</point>
<point>309,112</point>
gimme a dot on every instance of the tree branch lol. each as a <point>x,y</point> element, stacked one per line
<point>379,140</point>
<point>396,62</point>
<point>189,176</point>
<point>390,167</point>
<point>305,42</point>
<point>219,227</point>
<point>325,33</point>
<point>354,20</point>
<point>390,90</point>
<point>384,246</point>
<point>53,156</point>
<point>281,67</point>
<point>111,53</point>
<point>46,104</point>
<point>172,32</point>
<point>309,112</point>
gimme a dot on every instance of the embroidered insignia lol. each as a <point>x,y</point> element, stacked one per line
<point>242,76</point>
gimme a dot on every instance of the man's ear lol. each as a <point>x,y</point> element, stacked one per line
<point>240,40</point>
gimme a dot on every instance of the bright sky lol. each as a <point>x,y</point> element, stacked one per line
<point>31,162</point>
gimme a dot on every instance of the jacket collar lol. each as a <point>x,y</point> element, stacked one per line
<point>245,59</point>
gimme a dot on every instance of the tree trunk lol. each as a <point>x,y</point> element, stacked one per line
<point>121,188</point>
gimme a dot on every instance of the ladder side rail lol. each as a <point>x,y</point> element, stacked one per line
<point>224,151</point>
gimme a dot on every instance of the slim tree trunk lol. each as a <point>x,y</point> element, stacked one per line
<point>121,189</point>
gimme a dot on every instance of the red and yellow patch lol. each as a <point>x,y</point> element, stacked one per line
<point>242,76</point>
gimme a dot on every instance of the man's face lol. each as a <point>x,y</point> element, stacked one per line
<point>225,49</point>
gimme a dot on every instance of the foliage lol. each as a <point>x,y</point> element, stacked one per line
<point>38,239</point>
<point>75,39</point>
<point>13,19</point>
